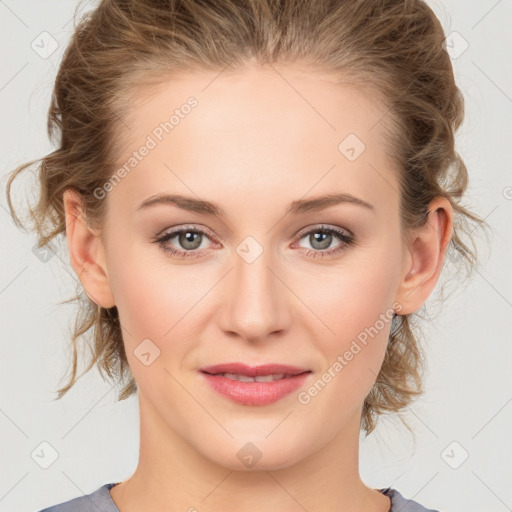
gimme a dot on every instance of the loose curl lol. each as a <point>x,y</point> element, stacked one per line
<point>388,49</point>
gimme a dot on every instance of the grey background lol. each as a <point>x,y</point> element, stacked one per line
<point>468,395</point>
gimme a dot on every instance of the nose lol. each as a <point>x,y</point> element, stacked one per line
<point>255,301</point>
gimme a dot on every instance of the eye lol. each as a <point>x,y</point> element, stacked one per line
<point>189,238</point>
<point>321,237</point>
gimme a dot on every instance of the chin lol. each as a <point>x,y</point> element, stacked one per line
<point>255,453</point>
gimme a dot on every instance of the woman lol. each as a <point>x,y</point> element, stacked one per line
<point>257,198</point>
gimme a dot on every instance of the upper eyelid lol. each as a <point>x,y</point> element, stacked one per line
<point>299,234</point>
<point>322,227</point>
<point>177,229</point>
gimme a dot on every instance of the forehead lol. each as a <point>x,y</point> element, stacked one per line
<point>260,131</point>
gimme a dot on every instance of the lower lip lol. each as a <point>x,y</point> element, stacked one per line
<point>255,393</point>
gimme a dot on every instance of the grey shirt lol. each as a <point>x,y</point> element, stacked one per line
<point>100,500</point>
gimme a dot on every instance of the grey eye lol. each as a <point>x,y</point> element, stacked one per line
<point>320,240</point>
<point>189,239</point>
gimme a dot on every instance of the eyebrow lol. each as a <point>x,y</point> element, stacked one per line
<point>300,206</point>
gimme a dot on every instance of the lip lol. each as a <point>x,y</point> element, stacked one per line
<point>255,393</point>
<point>253,371</point>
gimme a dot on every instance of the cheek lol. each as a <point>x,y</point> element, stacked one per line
<point>152,295</point>
<point>160,300</point>
<point>351,322</point>
<point>347,300</point>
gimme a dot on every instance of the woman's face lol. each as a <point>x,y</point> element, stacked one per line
<point>270,278</point>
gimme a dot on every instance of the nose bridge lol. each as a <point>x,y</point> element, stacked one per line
<point>256,305</point>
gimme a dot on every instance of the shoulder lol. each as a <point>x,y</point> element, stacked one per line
<point>399,502</point>
<point>100,499</point>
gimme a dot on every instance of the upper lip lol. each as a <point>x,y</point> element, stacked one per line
<point>253,371</point>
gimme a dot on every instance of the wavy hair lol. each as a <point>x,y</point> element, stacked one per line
<point>389,49</point>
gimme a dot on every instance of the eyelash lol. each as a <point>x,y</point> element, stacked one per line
<point>347,239</point>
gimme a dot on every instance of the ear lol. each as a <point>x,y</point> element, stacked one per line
<point>425,256</point>
<point>86,251</point>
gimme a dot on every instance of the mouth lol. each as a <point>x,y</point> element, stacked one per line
<point>254,385</point>
<point>260,373</point>
<point>259,378</point>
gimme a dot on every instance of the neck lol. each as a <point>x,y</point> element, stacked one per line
<point>172,475</point>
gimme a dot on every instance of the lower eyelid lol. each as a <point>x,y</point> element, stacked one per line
<point>343,236</point>
<point>345,239</point>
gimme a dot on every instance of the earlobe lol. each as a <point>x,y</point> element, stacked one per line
<point>86,251</point>
<point>425,257</point>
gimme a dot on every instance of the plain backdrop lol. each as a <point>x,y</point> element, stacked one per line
<point>460,457</point>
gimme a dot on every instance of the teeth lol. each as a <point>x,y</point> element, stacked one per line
<point>260,378</point>
<point>269,378</point>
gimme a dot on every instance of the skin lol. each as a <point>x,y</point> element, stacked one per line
<point>253,145</point>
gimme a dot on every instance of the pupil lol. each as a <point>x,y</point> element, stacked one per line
<point>323,239</point>
<point>187,240</point>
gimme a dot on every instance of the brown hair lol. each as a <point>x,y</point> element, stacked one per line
<point>389,48</point>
